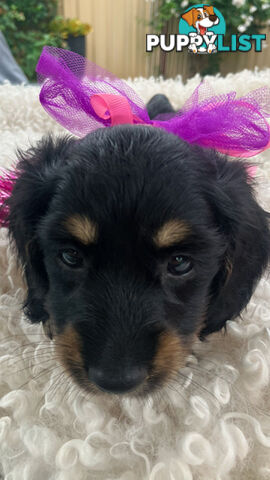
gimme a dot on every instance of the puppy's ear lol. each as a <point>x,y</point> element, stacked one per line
<point>39,169</point>
<point>245,229</point>
<point>189,16</point>
<point>209,9</point>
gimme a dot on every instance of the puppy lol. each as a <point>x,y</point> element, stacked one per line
<point>201,19</point>
<point>133,243</point>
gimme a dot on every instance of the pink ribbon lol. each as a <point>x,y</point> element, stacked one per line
<point>114,107</point>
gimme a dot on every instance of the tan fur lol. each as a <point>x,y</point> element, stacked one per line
<point>229,269</point>
<point>170,233</point>
<point>68,346</point>
<point>190,17</point>
<point>171,354</point>
<point>209,9</point>
<point>48,329</point>
<point>28,247</point>
<point>82,228</point>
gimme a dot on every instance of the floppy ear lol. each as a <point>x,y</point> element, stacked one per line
<point>33,190</point>
<point>209,9</point>
<point>189,16</point>
<point>244,226</point>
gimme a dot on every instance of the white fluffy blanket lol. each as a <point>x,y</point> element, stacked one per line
<point>216,427</point>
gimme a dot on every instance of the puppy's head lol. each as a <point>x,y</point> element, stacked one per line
<point>201,18</point>
<point>133,243</point>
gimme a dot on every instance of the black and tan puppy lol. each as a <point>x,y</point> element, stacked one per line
<point>133,243</point>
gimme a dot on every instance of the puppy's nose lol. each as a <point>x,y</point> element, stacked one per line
<point>212,18</point>
<point>117,381</point>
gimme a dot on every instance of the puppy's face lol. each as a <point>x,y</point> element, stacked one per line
<point>201,18</point>
<point>130,256</point>
<point>127,251</point>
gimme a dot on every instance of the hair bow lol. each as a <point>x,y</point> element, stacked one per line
<point>82,97</point>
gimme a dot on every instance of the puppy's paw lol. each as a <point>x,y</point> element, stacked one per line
<point>211,48</point>
<point>193,48</point>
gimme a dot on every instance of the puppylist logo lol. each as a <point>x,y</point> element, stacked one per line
<point>202,24</point>
<point>202,30</point>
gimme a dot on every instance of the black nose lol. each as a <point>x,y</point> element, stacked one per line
<point>213,18</point>
<point>117,381</point>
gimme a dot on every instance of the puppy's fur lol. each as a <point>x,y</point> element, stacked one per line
<point>133,205</point>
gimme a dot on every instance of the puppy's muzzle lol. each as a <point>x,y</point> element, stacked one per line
<point>117,381</point>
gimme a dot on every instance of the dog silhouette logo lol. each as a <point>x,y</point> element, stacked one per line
<point>202,23</point>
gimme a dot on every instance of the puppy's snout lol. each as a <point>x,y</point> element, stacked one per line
<point>117,381</point>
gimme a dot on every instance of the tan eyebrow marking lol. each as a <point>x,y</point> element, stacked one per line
<point>170,233</point>
<point>82,228</point>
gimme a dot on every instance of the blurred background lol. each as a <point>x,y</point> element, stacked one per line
<point>112,33</point>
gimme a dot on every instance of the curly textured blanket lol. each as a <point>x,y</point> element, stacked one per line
<point>216,425</point>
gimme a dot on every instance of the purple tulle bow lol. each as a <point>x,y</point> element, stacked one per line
<point>82,97</point>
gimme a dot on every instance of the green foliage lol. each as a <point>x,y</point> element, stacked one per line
<point>9,16</point>
<point>25,25</point>
<point>69,27</point>
<point>244,16</point>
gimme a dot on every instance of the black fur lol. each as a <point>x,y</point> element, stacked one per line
<point>130,180</point>
<point>159,104</point>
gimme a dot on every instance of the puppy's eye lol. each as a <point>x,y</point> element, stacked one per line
<point>179,265</point>
<point>71,257</point>
<point>199,17</point>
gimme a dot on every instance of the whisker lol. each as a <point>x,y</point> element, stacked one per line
<point>200,369</point>
<point>197,384</point>
<point>75,392</point>
<point>170,404</point>
<point>234,388</point>
<point>27,357</point>
<point>68,390</point>
<point>28,367</point>
<point>31,352</point>
<point>48,370</point>
<point>54,385</point>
